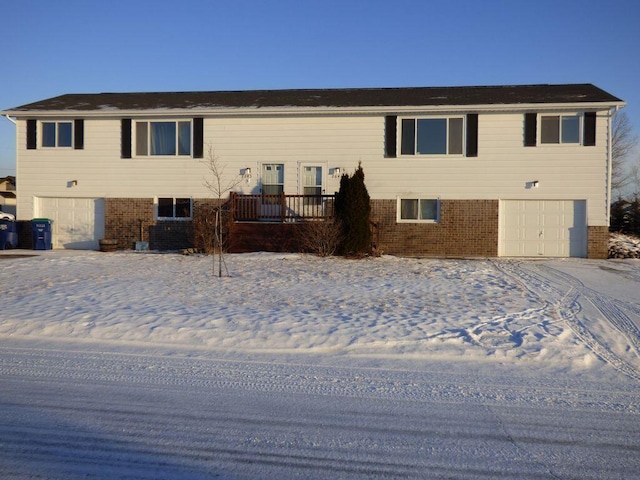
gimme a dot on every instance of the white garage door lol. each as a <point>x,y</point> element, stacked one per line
<point>78,223</point>
<point>547,228</point>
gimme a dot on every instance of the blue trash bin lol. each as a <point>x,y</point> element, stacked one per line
<point>41,229</point>
<point>8,234</point>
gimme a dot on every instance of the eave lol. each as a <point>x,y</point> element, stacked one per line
<point>311,111</point>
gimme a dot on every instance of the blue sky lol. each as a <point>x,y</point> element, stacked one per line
<point>72,46</point>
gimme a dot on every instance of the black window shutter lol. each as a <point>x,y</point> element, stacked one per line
<point>589,137</point>
<point>530,129</point>
<point>198,137</point>
<point>31,134</point>
<point>390,136</point>
<point>125,138</point>
<point>408,146</point>
<point>78,134</point>
<point>472,135</point>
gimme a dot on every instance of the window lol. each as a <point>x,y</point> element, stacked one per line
<point>432,136</point>
<point>163,138</point>
<point>312,185</point>
<point>57,134</point>
<point>560,129</point>
<point>418,210</point>
<point>273,179</point>
<point>172,208</point>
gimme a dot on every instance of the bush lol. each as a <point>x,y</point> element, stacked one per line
<point>204,224</point>
<point>625,216</point>
<point>322,237</point>
<point>353,211</point>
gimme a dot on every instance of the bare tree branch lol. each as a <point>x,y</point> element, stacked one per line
<point>623,143</point>
<point>219,186</point>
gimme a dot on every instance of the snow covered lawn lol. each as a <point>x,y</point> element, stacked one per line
<point>384,368</point>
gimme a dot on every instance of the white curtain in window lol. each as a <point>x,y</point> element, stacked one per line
<point>163,138</point>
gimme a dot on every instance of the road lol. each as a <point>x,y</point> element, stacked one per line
<point>79,411</point>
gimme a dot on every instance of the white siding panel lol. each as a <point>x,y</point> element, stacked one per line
<point>502,169</point>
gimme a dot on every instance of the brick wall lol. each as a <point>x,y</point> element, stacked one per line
<point>264,236</point>
<point>466,228</point>
<point>598,243</point>
<point>123,217</point>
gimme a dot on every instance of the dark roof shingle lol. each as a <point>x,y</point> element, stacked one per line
<point>344,97</point>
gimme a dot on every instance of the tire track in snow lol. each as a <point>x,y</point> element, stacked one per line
<point>544,278</point>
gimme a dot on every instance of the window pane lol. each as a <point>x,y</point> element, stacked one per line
<point>550,129</point>
<point>64,134</point>
<point>142,143</point>
<point>432,136</point>
<point>316,191</point>
<point>165,207</point>
<point>428,209</point>
<point>571,129</point>
<point>272,173</point>
<point>455,136</point>
<point>183,207</point>
<point>163,138</point>
<point>408,137</point>
<point>48,134</point>
<point>184,138</point>
<point>409,209</point>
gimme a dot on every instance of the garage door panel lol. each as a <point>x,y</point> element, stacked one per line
<point>77,223</point>
<point>549,228</point>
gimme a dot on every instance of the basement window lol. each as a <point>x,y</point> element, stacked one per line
<point>171,208</point>
<point>418,210</point>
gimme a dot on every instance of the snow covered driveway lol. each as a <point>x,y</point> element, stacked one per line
<point>145,366</point>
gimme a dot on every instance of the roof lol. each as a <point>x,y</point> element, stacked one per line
<point>344,97</point>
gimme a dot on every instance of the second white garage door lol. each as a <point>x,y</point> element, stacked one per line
<point>78,223</point>
<point>543,228</point>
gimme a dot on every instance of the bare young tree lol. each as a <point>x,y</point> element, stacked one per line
<point>623,144</point>
<point>219,185</point>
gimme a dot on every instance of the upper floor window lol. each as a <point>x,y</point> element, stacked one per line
<point>432,136</point>
<point>57,134</point>
<point>569,129</point>
<point>174,208</point>
<point>418,210</point>
<point>560,129</point>
<point>163,138</point>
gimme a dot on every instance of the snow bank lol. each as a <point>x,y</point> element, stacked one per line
<point>413,308</point>
<point>624,246</point>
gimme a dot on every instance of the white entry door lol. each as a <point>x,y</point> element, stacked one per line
<point>77,223</point>
<point>543,228</point>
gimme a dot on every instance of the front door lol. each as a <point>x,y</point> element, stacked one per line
<point>272,189</point>
<point>312,190</point>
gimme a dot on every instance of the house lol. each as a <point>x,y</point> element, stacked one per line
<point>8,194</point>
<point>452,171</point>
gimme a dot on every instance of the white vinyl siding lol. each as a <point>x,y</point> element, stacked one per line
<point>502,169</point>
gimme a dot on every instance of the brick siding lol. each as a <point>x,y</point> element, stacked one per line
<point>123,217</point>
<point>466,228</point>
<point>598,242</point>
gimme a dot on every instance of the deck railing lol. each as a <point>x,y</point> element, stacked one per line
<point>280,208</point>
